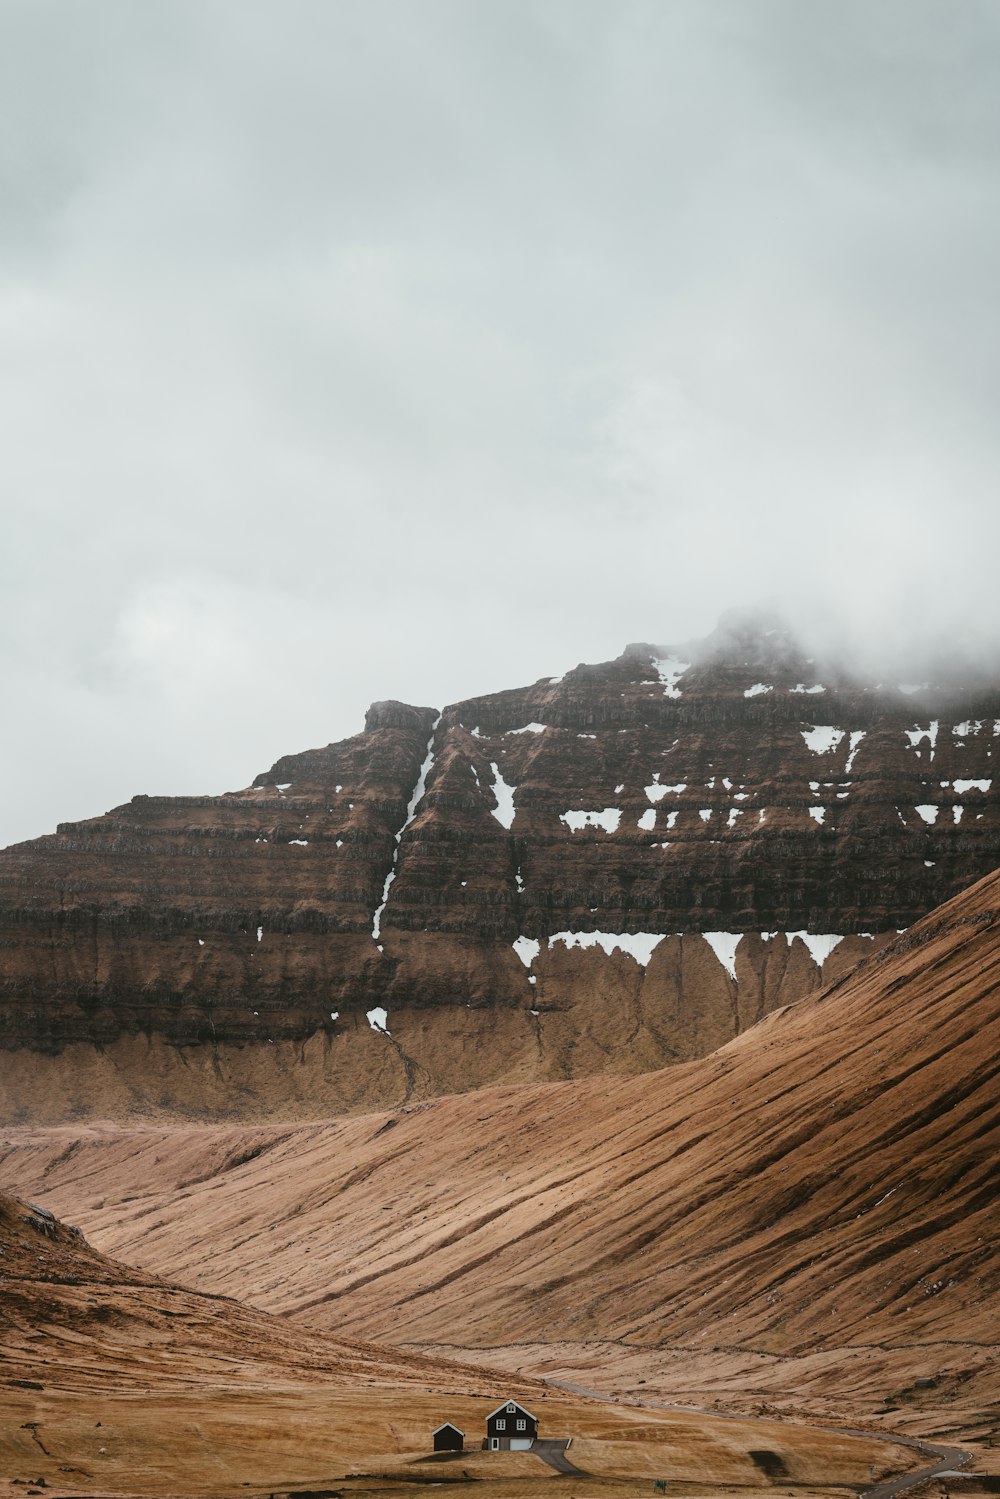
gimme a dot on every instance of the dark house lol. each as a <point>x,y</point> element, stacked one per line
<point>510,1426</point>
<point>448,1438</point>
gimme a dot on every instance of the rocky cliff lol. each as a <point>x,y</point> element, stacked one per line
<point>808,1216</point>
<point>604,871</point>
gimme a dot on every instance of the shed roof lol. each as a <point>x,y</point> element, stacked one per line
<point>448,1426</point>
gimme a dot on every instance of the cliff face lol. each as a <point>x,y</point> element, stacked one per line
<point>606,871</point>
<point>808,1215</point>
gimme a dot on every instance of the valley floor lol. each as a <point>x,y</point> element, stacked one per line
<point>214,1442</point>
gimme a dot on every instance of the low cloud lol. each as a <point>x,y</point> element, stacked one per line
<point>390,350</point>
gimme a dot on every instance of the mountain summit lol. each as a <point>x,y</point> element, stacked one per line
<point>604,871</point>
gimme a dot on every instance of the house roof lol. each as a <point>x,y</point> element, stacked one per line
<point>503,1406</point>
<point>448,1426</point>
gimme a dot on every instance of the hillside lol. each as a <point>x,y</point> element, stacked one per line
<point>807,1217</point>
<point>118,1383</point>
<point>597,874</point>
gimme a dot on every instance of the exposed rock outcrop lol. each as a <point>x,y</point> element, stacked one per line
<point>601,872</point>
<point>808,1215</point>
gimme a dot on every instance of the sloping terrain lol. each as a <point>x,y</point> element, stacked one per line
<point>808,1216</point>
<point>116,1383</point>
<point>76,1320</point>
<point>601,873</point>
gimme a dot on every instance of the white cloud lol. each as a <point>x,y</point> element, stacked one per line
<point>330,332</point>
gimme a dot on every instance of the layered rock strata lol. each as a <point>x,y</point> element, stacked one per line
<point>605,871</point>
<point>808,1215</point>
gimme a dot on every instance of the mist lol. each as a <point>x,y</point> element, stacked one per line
<point>352,351</point>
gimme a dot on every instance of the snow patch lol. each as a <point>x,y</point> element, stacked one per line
<point>820,948</point>
<point>648,820</point>
<point>260,934</point>
<point>801,687</point>
<point>302,842</point>
<point>504,797</point>
<point>963,786</point>
<point>856,737</point>
<point>608,819</point>
<point>724,945</point>
<point>909,688</point>
<point>822,738</point>
<point>929,814</point>
<point>705,814</point>
<point>530,728</point>
<point>956,814</point>
<point>917,735</point>
<point>970,726</point>
<point>817,814</point>
<point>527,949</point>
<point>378,1019</point>
<point>656,792</point>
<point>334,1014</point>
<point>282,786</point>
<point>758,688</point>
<point>670,669</point>
<point>637,945</point>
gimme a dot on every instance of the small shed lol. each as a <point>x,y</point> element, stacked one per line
<point>510,1427</point>
<point>448,1438</point>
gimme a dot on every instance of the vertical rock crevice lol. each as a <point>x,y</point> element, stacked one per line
<point>411,811</point>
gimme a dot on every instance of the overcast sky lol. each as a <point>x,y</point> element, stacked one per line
<point>354,349</point>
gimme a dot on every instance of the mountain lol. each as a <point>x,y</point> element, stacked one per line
<point>600,873</point>
<point>116,1382</point>
<point>806,1218</point>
